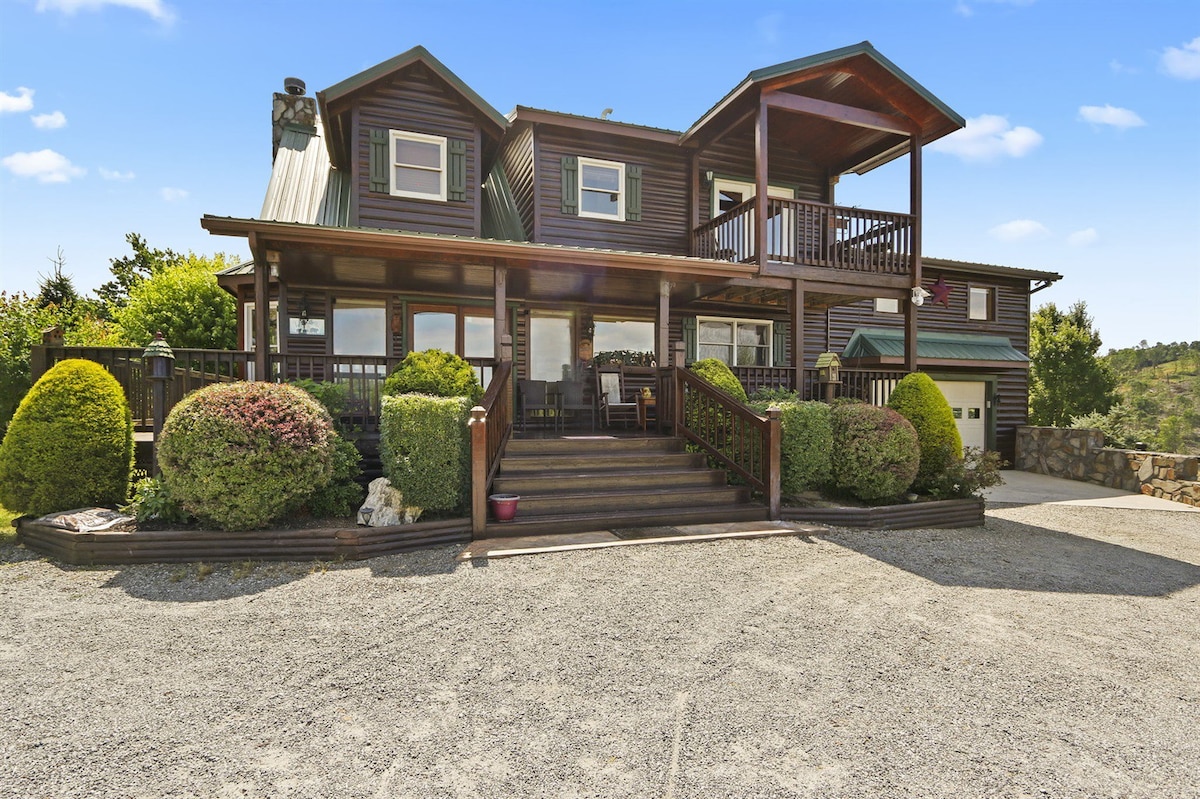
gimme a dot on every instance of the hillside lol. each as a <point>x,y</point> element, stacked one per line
<point>1159,388</point>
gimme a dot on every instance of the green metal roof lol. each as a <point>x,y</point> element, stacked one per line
<point>501,219</point>
<point>871,342</point>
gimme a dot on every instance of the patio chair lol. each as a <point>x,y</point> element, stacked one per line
<point>533,402</point>
<point>571,401</point>
<point>614,405</point>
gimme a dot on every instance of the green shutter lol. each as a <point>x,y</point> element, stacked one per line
<point>779,344</point>
<point>689,338</point>
<point>456,171</point>
<point>570,184</point>
<point>633,193</point>
<point>380,162</point>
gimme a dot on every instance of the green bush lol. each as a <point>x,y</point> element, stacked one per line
<point>875,452</point>
<point>918,399</point>
<point>966,477</point>
<point>343,495</point>
<point>152,502</point>
<point>240,454</point>
<point>436,373</point>
<point>716,373</point>
<point>767,396</point>
<point>332,396</point>
<point>70,443</point>
<point>425,449</point>
<point>804,456</point>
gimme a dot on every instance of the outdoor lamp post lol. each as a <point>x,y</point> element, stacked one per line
<point>829,372</point>
<point>158,363</point>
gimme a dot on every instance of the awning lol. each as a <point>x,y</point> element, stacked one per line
<point>879,346</point>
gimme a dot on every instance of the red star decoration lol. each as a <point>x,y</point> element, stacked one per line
<point>940,292</point>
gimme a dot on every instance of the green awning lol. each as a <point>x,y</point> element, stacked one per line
<point>887,346</point>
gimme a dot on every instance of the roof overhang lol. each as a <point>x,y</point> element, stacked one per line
<point>885,347</point>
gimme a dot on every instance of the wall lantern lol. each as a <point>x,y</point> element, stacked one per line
<point>158,359</point>
<point>919,295</point>
<point>829,368</point>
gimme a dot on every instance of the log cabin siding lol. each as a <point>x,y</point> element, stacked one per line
<point>664,224</point>
<point>517,159</point>
<point>416,101</point>
<point>732,157</point>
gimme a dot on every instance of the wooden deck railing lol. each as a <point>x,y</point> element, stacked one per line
<point>729,432</point>
<point>491,426</point>
<point>812,234</point>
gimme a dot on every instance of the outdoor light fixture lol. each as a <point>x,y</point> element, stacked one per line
<point>158,359</point>
<point>918,295</point>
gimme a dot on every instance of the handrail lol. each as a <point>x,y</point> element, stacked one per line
<point>726,429</point>
<point>491,426</point>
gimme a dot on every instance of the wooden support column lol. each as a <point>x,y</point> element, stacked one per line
<point>797,310</point>
<point>761,183</point>
<point>662,324</point>
<point>262,310</point>
<point>500,311</point>
<point>910,311</point>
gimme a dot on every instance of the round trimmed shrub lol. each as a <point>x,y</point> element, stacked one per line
<point>918,399</point>
<point>70,443</point>
<point>875,453</point>
<point>716,373</point>
<point>238,455</point>
<point>436,373</point>
<point>807,443</point>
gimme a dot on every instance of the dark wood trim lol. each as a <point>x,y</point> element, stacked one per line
<point>836,281</point>
<point>859,117</point>
<point>694,188</point>
<point>262,309</point>
<point>941,513</point>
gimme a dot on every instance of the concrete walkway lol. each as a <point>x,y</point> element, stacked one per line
<point>1027,488</point>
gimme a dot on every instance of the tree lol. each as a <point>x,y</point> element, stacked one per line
<point>57,288</point>
<point>131,270</point>
<point>182,301</point>
<point>1066,379</point>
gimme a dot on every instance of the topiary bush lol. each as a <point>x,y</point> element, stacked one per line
<point>238,455</point>
<point>716,373</point>
<point>425,449</point>
<point>807,443</point>
<point>875,454</point>
<point>436,373</point>
<point>343,495</point>
<point>70,442</point>
<point>918,399</point>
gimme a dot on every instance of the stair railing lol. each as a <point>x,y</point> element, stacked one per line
<point>491,425</point>
<point>726,429</point>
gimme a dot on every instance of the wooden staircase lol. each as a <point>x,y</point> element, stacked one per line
<point>574,484</point>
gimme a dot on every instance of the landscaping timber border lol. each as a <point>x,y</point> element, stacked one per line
<point>940,513</point>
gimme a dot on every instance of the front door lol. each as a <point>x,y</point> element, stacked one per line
<point>738,234</point>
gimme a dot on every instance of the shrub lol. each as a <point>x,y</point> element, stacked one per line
<point>70,442</point>
<point>875,453</point>
<point>777,396</point>
<point>152,502</point>
<point>343,495</point>
<point>332,396</point>
<point>966,477</point>
<point>804,457</point>
<point>240,454</point>
<point>716,373</point>
<point>918,399</point>
<point>436,373</point>
<point>425,449</point>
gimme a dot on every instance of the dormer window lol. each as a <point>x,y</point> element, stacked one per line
<point>601,189</point>
<point>418,165</point>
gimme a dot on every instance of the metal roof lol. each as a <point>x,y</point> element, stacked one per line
<point>501,218</point>
<point>304,186</point>
<point>989,269</point>
<point>873,342</point>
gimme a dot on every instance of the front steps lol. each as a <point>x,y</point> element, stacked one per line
<point>575,484</point>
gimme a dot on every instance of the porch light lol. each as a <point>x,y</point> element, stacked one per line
<point>829,368</point>
<point>919,294</point>
<point>158,359</point>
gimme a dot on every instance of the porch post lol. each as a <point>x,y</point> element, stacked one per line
<point>760,184</point>
<point>662,325</point>
<point>262,314</point>
<point>500,312</point>
<point>798,336</point>
<point>910,310</point>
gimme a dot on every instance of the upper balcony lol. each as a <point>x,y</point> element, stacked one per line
<point>803,233</point>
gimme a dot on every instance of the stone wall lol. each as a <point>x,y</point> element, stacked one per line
<point>1081,455</point>
<point>290,109</point>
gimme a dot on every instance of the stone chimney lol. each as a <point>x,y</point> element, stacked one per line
<point>290,106</point>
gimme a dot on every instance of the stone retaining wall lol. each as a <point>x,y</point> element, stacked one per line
<point>1081,455</point>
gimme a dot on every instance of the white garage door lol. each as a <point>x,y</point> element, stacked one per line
<point>967,403</point>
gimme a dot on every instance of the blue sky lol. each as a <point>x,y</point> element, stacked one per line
<point>1082,155</point>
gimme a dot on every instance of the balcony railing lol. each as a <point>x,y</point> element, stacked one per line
<point>811,234</point>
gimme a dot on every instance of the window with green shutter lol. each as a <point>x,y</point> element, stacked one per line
<point>456,171</point>
<point>416,165</point>
<point>570,185</point>
<point>601,189</point>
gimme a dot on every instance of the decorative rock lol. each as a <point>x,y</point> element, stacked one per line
<point>1147,470</point>
<point>386,505</point>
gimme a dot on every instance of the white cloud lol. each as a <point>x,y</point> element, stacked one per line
<point>172,195</point>
<point>1120,69</point>
<point>155,8</point>
<point>1082,238</point>
<point>1110,115</point>
<point>1020,230</point>
<point>51,121</point>
<point>1182,62</point>
<point>987,137</point>
<point>45,165</point>
<point>963,9</point>
<point>16,103</point>
<point>113,174</point>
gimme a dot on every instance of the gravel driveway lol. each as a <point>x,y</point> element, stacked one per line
<point>1053,653</point>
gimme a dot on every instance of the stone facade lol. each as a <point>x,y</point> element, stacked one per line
<point>290,109</point>
<point>1081,455</point>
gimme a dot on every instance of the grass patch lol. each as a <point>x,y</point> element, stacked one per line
<point>8,533</point>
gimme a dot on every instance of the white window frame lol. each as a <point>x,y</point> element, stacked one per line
<point>989,297</point>
<point>700,320</point>
<point>404,135</point>
<point>619,216</point>
<point>248,325</point>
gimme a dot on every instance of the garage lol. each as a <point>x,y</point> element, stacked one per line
<point>968,403</point>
